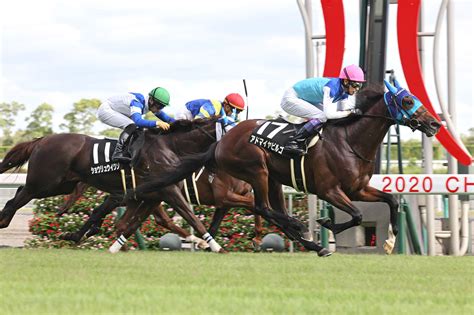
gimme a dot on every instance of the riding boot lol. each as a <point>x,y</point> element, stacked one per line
<point>121,153</point>
<point>297,143</point>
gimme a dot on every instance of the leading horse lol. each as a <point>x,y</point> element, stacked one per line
<point>337,169</point>
<point>58,162</point>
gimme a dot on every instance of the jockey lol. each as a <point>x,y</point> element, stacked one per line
<point>125,112</point>
<point>320,99</point>
<point>229,109</point>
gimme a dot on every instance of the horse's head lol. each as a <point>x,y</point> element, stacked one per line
<point>407,110</point>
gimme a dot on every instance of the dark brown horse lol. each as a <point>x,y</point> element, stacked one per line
<point>220,190</point>
<point>58,162</point>
<point>337,169</point>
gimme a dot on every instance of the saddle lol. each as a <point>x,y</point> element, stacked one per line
<point>272,135</point>
<point>135,144</point>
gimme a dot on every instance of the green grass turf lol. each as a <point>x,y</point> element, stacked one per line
<point>84,282</point>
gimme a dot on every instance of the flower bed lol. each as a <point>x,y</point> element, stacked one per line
<point>235,234</point>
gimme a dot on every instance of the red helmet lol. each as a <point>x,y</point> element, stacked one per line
<point>235,100</point>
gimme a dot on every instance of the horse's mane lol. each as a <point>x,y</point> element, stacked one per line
<point>184,125</point>
<point>365,99</point>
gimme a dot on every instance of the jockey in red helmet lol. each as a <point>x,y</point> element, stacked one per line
<point>229,108</point>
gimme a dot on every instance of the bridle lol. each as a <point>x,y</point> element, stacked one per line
<point>401,116</point>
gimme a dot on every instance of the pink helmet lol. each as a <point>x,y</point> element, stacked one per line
<point>352,73</point>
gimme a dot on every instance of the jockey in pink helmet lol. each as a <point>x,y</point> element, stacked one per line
<point>320,99</point>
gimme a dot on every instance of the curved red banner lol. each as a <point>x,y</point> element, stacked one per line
<point>407,29</point>
<point>333,12</point>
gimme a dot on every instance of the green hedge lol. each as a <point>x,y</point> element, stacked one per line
<point>235,234</point>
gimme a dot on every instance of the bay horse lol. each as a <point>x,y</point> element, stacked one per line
<point>220,190</point>
<point>58,162</point>
<point>337,169</point>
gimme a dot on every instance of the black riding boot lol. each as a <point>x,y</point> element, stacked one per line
<point>120,153</point>
<point>297,143</point>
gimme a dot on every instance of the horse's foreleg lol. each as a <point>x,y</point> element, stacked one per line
<point>257,240</point>
<point>216,221</point>
<point>173,196</point>
<point>136,213</point>
<point>370,194</point>
<point>340,200</point>
<point>163,219</point>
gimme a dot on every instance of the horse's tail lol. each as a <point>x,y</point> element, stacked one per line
<point>182,170</point>
<point>18,155</point>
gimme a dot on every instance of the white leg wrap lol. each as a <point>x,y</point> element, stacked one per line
<point>212,243</point>
<point>117,245</point>
<point>390,242</point>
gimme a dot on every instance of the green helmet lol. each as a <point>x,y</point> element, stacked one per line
<point>160,95</point>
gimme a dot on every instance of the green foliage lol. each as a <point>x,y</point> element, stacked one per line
<point>236,231</point>
<point>8,113</point>
<point>82,117</point>
<point>111,132</point>
<point>40,122</point>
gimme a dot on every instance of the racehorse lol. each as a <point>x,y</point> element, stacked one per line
<point>220,190</point>
<point>58,162</point>
<point>337,169</point>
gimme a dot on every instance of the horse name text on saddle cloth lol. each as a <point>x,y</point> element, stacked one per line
<point>101,154</point>
<point>272,135</point>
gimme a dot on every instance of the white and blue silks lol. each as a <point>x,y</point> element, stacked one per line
<point>321,98</point>
<point>204,108</point>
<point>122,110</point>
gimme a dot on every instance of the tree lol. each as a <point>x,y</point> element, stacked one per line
<point>111,132</point>
<point>82,117</point>
<point>8,113</point>
<point>39,122</point>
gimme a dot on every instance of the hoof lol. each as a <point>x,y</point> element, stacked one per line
<point>256,244</point>
<point>69,237</point>
<point>388,247</point>
<point>222,251</point>
<point>326,222</point>
<point>324,253</point>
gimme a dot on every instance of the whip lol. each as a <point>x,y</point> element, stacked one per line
<point>246,100</point>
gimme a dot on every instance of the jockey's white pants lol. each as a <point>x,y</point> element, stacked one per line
<point>183,113</point>
<point>295,106</point>
<point>110,117</point>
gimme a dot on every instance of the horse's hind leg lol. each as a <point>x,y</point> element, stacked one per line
<point>304,236</point>
<point>92,226</point>
<point>22,197</point>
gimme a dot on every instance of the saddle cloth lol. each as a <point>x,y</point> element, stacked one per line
<point>101,156</point>
<point>272,135</point>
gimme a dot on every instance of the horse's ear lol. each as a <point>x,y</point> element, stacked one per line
<point>390,87</point>
<point>397,85</point>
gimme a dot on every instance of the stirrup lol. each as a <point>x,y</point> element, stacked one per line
<point>120,158</point>
<point>295,150</point>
